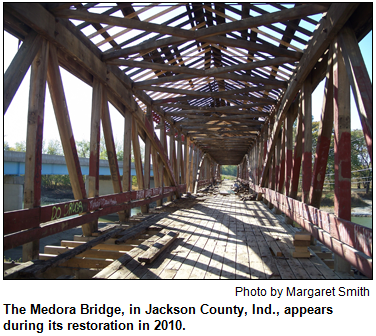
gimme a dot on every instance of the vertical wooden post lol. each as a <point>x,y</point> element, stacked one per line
<point>307,140</point>
<point>272,164</point>
<point>157,176</point>
<point>193,170</point>
<point>323,139</point>
<point>191,159</point>
<point>111,151</point>
<point>255,162</point>
<point>282,159</point>
<point>137,155</point>
<point>162,136</point>
<point>359,80</point>
<point>277,167</point>
<point>65,129</point>
<point>297,155</point>
<point>277,155</point>
<point>184,160</point>
<point>34,141</point>
<point>164,144</point>
<point>188,155</point>
<point>93,178</point>
<point>179,159</point>
<point>127,158</point>
<point>260,162</point>
<point>173,155</point>
<point>342,145</point>
<point>145,208</point>
<point>295,168</point>
<point>288,154</point>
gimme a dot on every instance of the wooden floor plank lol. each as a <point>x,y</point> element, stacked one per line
<point>226,238</point>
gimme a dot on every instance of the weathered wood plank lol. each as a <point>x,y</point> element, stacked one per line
<point>34,270</point>
<point>154,251</point>
<point>34,141</point>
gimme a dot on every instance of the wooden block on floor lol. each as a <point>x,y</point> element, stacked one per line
<point>154,251</point>
<point>301,249</point>
<point>302,236</point>
<point>49,249</point>
<point>301,255</point>
<point>329,263</point>
<point>301,243</point>
<point>79,262</point>
<point>275,249</point>
<point>106,247</point>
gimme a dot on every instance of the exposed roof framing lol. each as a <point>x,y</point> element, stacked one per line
<point>214,71</point>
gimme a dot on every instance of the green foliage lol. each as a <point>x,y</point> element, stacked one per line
<point>134,182</point>
<point>54,148</point>
<point>118,148</point>
<point>360,160</point>
<point>56,181</point>
<point>83,148</point>
<point>229,170</point>
<point>6,146</point>
<point>20,146</point>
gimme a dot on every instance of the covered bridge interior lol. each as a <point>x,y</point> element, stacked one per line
<point>202,85</point>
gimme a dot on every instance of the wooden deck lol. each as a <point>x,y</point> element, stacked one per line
<point>213,236</point>
<point>223,237</point>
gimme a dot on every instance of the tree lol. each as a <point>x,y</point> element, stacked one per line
<point>6,146</point>
<point>20,146</point>
<point>361,168</point>
<point>229,170</point>
<point>360,160</point>
<point>54,148</point>
<point>83,148</point>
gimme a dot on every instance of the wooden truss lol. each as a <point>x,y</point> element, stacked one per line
<point>224,82</point>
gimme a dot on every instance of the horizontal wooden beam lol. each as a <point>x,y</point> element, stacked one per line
<point>253,46</point>
<point>157,66</point>
<point>209,94</point>
<point>207,34</point>
<point>124,22</point>
<point>143,47</point>
<point>281,16</point>
<point>22,226</point>
<point>191,71</point>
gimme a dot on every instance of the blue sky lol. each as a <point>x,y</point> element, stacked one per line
<point>78,97</point>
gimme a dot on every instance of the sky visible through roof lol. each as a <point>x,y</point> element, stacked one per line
<point>79,95</point>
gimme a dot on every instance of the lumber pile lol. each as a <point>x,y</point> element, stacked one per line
<point>301,242</point>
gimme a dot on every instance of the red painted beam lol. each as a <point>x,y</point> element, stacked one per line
<point>297,158</point>
<point>18,220</point>
<point>342,137</point>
